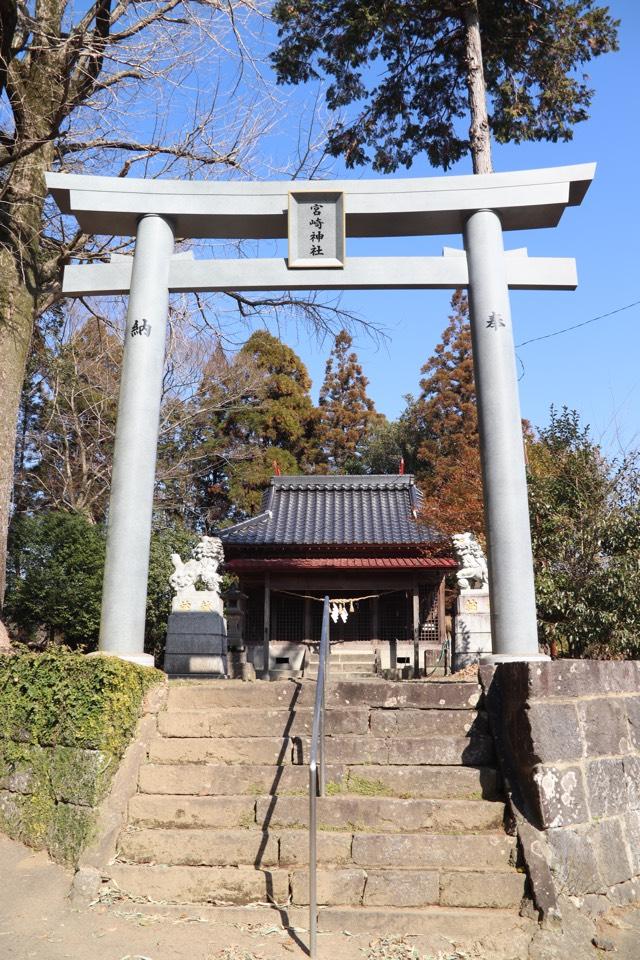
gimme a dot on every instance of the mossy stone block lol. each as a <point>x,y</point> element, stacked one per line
<point>27,817</point>
<point>23,767</point>
<point>10,813</point>
<point>70,829</point>
<point>65,721</point>
<point>80,776</point>
<point>66,698</point>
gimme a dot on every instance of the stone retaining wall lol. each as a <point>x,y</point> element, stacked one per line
<point>568,739</point>
<point>65,721</point>
<point>48,794</point>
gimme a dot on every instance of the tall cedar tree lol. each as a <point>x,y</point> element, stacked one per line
<point>278,426</point>
<point>445,423</point>
<point>409,71</point>
<point>199,442</point>
<point>345,412</point>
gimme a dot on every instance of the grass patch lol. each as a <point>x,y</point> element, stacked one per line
<point>247,821</point>
<point>346,827</point>
<point>364,787</point>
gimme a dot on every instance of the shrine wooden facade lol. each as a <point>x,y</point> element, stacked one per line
<point>359,540</point>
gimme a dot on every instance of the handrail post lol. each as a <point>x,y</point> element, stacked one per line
<point>313,863</point>
<point>317,778</point>
<point>322,773</point>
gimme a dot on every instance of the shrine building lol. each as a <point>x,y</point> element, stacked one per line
<point>357,539</point>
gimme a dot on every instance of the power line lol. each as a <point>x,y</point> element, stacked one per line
<point>556,333</point>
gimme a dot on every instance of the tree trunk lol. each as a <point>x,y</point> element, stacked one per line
<point>35,85</point>
<point>8,22</point>
<point>17,310</point>
<point>479,133</point>
<point>20,252</point>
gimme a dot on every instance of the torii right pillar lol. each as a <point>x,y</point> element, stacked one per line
<point>513,604</point>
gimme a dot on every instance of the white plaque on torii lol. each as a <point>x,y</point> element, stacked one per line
<point>480,207</point>
<point>316,230</point>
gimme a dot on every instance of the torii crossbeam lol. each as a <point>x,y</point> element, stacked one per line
<point>319,217</point>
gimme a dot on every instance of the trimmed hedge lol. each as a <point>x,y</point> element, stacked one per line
<point>65,721</point>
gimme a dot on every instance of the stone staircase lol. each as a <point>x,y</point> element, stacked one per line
<point>411,834</point>
<point>344,664</point>
<point>349,663</point>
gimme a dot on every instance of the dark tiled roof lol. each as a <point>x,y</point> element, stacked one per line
<point>335,510</point>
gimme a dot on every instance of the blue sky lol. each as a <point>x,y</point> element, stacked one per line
<point>595,369</point>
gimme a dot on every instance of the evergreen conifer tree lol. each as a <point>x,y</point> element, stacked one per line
<point>276,425</point>
<point>282,415</point>
<point>444,422</point>
<point>345,411</point>
<point>402,75</point>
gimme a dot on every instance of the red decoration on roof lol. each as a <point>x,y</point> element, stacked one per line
<point>401,467</point>
<point>292,564</point>
<point>276,469</point>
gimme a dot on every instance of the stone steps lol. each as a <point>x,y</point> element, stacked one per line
<point>473,750</point>
<point>346,813</point>
<point>459,924</point>
<point>202,695</point>
<point>208,779</point>
<point>241,722</point>
<point>203,847</point>
<point>343,665</point>
<point>340,721</point>
<point>502,931</point>
<point>339,652</point>
<point>352,673</point>
<point>223,750</point>
<point>412,824</point>
<point>344,659</point>
<point>336,886</point>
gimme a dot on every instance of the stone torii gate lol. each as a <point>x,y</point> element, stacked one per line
<point>318,217</point>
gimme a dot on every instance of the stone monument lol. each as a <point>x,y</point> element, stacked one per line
<point>197,632</point>
<point>473,611</point>
<point>238,666</point>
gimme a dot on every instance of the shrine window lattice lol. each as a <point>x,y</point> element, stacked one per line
<point>395,618</point>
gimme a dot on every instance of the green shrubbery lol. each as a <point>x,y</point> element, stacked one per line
<point>59,697</point>
<point>56,562</point>
<point>55,570</point>
<point>585,525</point>
<point>65,721</point>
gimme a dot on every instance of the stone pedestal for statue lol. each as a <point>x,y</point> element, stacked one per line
<point>473,628</point>
<point>197,631</point>
<point>473,613</point>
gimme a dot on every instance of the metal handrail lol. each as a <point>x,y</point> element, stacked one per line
<point>317,778</point>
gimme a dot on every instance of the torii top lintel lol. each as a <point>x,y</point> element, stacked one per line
<point>387,207</point>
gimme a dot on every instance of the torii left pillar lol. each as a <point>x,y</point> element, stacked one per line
<point>124,594</point>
